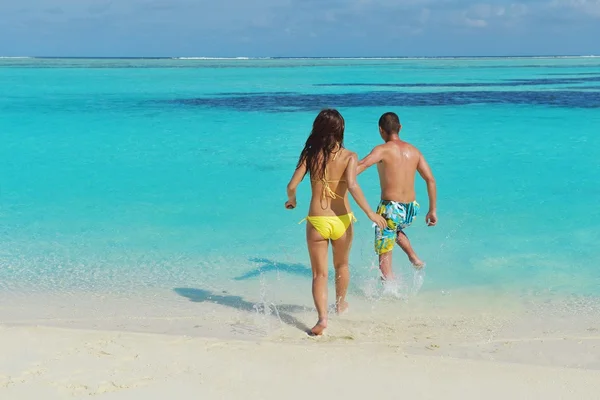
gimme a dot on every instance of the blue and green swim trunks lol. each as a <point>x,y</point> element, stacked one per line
<point>398,216</point>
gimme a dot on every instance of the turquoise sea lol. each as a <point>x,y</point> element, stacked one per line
<point>139,175</point>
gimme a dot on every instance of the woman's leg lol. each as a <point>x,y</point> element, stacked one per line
<point>341,254</point>
<point>317,249</point>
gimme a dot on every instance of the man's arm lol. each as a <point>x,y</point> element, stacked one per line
<point>375,156</point>
<point>427,175</point>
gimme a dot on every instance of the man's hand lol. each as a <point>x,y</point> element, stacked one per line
<point>431,218</point>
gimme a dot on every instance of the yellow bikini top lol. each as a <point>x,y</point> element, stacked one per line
<point>327,192</point>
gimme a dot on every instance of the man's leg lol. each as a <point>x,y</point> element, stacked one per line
<point>404,243</point>
<point>385,265</point>
<point>384,244</point>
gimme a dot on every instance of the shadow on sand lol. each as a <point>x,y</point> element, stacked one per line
<point>270,265</point>
<point>237,302</point>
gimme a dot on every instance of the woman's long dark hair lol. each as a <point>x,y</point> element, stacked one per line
<point>327,135</point>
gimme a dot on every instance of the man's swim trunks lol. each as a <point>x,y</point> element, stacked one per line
<point>398,216</point>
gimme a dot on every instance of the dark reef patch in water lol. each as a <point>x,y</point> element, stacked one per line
<point>573,73</point>
<point>505,83</point>
<point>588,87</point>
<point>253,93</point>
<point>310,102</point>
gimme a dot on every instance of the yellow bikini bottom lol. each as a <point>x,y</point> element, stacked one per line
<point>331,227</point>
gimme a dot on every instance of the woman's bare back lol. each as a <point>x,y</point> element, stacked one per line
<point>335,200</point>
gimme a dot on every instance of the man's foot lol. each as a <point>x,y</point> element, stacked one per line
<point>318,329</point>
<point>341,307</point>
<point>416,262</point>
<point>387,278</point>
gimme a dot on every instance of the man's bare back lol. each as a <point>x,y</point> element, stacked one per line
<point>397,169</point>
<point>397,163</point>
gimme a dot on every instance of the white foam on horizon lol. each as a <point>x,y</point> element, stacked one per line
<point>349,58</point>
<point>216,58</point>
<point>390,58</point>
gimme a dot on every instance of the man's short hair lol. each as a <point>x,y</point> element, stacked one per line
<point>390,123</point>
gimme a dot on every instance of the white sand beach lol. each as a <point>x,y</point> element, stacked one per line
<point>213,350</point>
<point>52,363</point>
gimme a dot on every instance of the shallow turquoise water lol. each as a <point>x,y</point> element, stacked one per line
<point>128,174</point>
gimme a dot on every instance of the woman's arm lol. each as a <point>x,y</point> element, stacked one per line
<point>293,184</point>
<point>357,193</point>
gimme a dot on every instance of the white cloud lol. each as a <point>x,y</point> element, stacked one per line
<point>516,10</point>
<point>590,8</point>
<point>483,15</point>
<point>475,23</point>
<point>481,10</point>
<point>291,23</point>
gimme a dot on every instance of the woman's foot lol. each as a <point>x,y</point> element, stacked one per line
<point>341,307</point>
<point>318,329</point>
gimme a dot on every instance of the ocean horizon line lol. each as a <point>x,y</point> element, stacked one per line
<point>242,58</point>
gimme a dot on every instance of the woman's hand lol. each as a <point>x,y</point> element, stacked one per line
<point>291,203</point>
<point>378,220</point>
<point>291,187</point>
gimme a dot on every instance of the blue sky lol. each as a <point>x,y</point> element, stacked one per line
<point>298,27</point>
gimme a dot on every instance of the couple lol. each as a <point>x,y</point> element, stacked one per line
<point>333,170</point>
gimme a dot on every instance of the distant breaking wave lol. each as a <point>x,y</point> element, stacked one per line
<point>386,58</point>
<point>214,58</point>
<point>307,58</point>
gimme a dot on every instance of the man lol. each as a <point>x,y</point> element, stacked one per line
<point>397,163</point>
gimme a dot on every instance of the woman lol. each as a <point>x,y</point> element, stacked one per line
<point>332,171</point>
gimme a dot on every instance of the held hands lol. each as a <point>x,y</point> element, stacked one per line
<point>431,218</point>
<point>291,203</point>
<point>378,220</point>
